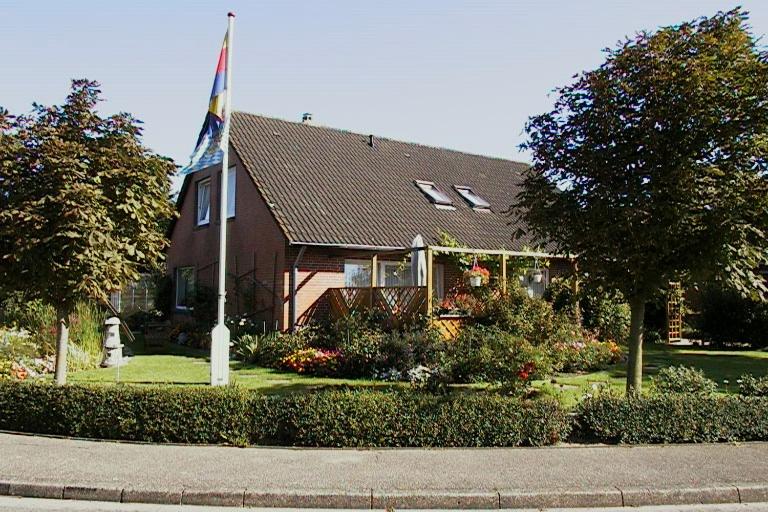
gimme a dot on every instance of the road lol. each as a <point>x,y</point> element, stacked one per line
<point>564,476</point>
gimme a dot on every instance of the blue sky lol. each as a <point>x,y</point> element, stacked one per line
<point>458,74</point>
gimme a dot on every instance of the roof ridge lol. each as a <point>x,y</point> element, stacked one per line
<point>341,130</point>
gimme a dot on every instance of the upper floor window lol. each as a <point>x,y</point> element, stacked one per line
<point>434,194</point>
<point>231,191</point>
<point>474,200</point>
<point>203,202</point>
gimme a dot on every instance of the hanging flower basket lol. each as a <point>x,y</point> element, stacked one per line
<point>538,275</point>
<point>477,276</point>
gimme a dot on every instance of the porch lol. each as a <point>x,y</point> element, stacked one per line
<point>399,305</point>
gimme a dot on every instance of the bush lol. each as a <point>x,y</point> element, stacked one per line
<point>750,385</point>
<point>489,354</point>
<point>682,379</point>
<point>325,418</point>
<point>727,317</point>
<point>585,356</point>
<point>272,348</point>
<point>312,361</point>
<point>38,319</point>
<point>673,418</point>
<point>605,313</point>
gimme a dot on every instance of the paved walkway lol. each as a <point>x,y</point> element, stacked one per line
<point>607,476</point>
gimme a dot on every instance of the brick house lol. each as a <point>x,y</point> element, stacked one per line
<point>313,208</point>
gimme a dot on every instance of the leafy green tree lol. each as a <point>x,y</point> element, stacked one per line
<point>653,167</point>
<point>83,204</point>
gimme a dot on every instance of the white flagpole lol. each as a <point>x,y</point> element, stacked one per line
<point>220,333</point>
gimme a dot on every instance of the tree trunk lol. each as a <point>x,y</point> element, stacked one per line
<point>575,285</point>
<point>62,340</point>
<point>635,360</point>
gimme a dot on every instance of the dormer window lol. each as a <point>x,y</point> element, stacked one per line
<point>436,196</point>
<point>474,200</point>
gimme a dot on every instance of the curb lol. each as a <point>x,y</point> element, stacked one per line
<point>398,499</point>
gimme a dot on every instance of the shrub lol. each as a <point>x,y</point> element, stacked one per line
<point>750,385</point>
<point>313,361</point>
<point>489,354</point>
<point>727,317</point>
<point>605,313</point>
<point>272,348</point>
<point>673,418</point>
<point>154,414</point>
<point>585,356</point>
<point>324,418</point>
<point>682,379</point>
<point>39,321</point>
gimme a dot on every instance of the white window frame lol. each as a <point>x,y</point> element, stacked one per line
<point>436,196</point>
<point>202,221</point>
<point>231,191</point>
<point>473,198</point>
<point>178,306</point>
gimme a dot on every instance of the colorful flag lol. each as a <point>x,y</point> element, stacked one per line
<point>208,150</point>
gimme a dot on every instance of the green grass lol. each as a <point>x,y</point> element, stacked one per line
<point>718,365</point>
<point>177,365</point>
<point>173,364</point>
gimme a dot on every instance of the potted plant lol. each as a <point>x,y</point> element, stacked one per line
<point>477,276</point>
<point>537,275</point>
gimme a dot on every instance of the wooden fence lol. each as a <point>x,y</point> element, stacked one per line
<point>396,305</point>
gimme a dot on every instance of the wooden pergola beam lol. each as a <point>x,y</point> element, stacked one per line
<point>497,252</point>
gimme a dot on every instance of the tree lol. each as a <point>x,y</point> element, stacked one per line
<point>83,204</point>
<point>652,168</point>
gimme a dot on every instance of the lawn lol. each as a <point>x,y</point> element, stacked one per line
<point>722,366</point>
<point>175,364</point>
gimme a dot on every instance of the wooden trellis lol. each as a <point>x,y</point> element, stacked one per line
<point>399,303</point>
<point>674,313</point>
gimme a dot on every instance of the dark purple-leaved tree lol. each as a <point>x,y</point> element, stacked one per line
<point>83,205</point>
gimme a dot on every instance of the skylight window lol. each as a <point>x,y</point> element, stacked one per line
<point>474,200</point>
<point>434,194</point>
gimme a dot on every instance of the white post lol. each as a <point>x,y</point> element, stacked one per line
<point>220,333</point>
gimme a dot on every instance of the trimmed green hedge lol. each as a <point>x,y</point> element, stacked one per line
<point>673,418</point>
<point>325,418</point>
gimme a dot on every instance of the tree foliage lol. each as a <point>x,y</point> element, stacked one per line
<point>653,167</point>
<point>83,201</point>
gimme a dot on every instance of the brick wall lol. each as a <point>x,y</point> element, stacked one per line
<point>255,247</point>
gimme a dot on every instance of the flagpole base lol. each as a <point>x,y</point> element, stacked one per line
<point>220,355</point>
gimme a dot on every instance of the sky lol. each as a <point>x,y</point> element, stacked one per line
<point>458,74</point>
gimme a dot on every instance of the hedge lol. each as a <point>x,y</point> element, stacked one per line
<point>336,418</point>
<point>673,418</point>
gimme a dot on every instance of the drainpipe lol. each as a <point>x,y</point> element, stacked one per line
<point>294,286</point>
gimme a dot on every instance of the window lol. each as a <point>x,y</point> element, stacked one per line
<point>434,194</point>
<point>533,285</point>
<point>231,191</point>
<point>185,287</point>
<point>395,273</point>
<point>357,273</point>
<point>203,202</point>
<point>474,200</point>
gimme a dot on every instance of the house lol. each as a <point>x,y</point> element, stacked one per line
<point>313,209</point>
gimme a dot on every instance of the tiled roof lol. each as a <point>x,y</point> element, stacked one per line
<point>328,186</point>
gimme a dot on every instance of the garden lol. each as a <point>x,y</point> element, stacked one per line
<point>529,371</point>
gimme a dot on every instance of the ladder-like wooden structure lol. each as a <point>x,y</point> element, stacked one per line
<point>674,313</point>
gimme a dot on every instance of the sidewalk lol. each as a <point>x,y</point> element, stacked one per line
<point>606,476</point>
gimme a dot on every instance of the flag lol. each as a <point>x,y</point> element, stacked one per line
<point>208,150</point>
